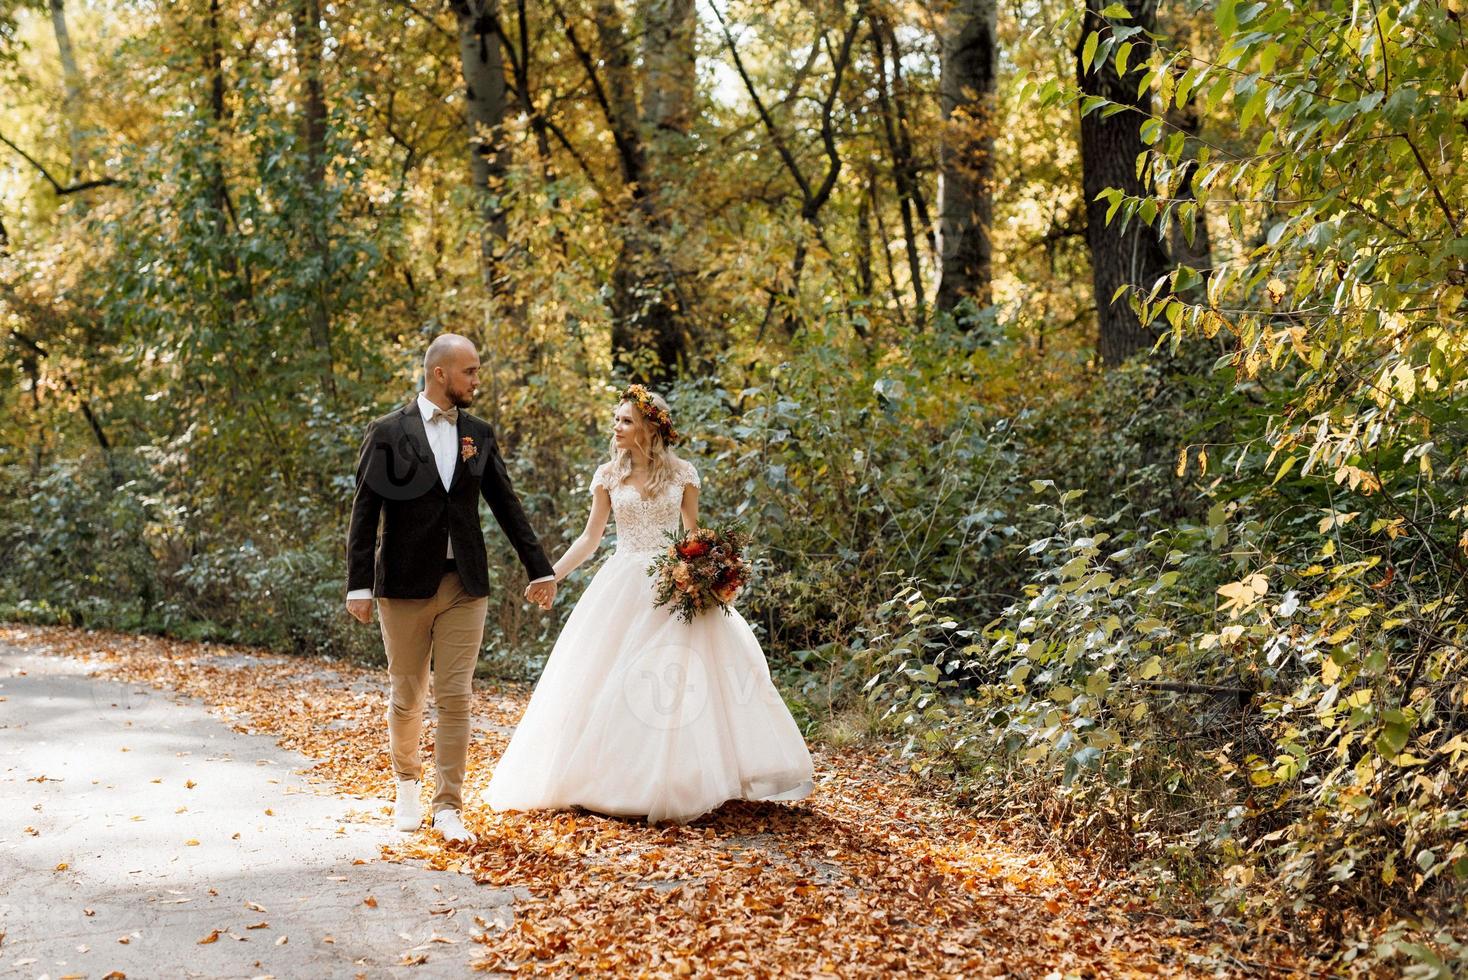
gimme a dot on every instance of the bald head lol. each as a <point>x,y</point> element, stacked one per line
<point>451,370</point>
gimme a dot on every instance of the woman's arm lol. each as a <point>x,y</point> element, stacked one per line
<point>690,507</point>
<point>590,539</point>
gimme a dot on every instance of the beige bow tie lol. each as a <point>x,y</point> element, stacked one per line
<point>451,414</point>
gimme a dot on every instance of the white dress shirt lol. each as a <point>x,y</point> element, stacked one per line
<point>442,442</point>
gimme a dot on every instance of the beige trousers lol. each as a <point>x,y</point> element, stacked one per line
<point>447,630</point>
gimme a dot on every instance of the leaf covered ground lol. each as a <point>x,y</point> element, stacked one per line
<point>869,876</point>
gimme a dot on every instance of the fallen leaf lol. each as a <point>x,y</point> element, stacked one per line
<point>370,902</point>
<point>259,925</point>
<point>213,937</point>
<point>192,842</point>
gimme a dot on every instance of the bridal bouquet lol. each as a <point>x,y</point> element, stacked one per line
<point>701,569</point>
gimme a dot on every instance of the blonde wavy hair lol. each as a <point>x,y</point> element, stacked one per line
<point>649,438</point>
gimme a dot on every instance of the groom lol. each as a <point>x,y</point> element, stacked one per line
<point>420,473</point>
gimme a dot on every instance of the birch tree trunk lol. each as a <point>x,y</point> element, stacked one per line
<point>72,85</point>
<point>482,64</point>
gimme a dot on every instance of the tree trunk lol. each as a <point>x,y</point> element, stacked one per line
<point>669,90</point>
<point>1109,149</point>
<point>902,171</point>
<point>966,202</point>
<point>669,71</point>
<point>482,64</point>
<point>307,37</point>
<point>72,82</point>
<point>223,211</point>
<point>645,308</point>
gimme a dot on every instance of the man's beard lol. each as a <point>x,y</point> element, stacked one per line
<point>462,399</point>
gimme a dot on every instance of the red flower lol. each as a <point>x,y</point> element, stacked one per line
<point>693,548</point>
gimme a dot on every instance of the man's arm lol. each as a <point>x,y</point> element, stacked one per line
<point>497,491</point>
<point>362,529</point>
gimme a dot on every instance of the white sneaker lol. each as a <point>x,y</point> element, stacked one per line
<point>451,825</point>
<point>407,810</point>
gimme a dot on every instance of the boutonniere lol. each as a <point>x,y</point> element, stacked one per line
<point>467,449</point>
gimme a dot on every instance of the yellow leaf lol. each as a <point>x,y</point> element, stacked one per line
<point>1330,671</point>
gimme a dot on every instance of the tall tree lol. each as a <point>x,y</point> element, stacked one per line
<point>904,170</point>
<point>1110,145</point>
<point>482,65</point>
<point>307,38</point>
<point>966,201</point>
<point>646,308</point>
<point>71,80</point>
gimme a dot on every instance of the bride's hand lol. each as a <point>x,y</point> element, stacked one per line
<point>541,593</point>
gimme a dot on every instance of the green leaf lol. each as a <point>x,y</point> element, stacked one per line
<point>1224,17</point>
<point>1123,55</point>
<point>1088,50</point>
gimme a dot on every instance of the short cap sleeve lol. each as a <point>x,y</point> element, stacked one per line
<point>600,479</point>
<point>690,473</point>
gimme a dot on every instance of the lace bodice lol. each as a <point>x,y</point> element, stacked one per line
<point>642,523</point>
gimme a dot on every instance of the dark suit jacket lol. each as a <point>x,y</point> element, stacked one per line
<point>398,486</point>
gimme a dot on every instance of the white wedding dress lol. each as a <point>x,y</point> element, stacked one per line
<point>638,713</point>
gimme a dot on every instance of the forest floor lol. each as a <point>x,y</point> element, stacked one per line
<point>281,857</point>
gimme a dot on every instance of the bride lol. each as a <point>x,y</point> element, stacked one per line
<point>638,713</point>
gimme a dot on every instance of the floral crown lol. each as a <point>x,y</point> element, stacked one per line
<point>659,417</point>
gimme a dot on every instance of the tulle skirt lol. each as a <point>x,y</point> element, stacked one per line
<point>640,714</point>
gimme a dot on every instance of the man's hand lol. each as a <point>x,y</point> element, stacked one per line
<point>541,593</point>
<point>361,609</point>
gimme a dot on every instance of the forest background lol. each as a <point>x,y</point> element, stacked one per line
<point>1090,376</point>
